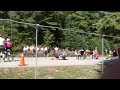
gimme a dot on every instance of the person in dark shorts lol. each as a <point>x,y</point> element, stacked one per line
<point>82,53</point>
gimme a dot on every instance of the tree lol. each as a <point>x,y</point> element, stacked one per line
<point>100,22</point>
<point>48,38</point>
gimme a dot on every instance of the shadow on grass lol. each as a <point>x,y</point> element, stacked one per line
<point>110,69</point>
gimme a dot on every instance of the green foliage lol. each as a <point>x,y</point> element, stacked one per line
<point>89,21</point>
<point>48,38</point>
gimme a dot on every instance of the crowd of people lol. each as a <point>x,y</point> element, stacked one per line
<point>58,53</point>
<point>83,54</point>
<point>45,51</point>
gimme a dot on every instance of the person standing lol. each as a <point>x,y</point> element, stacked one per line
<point>8,47</point>
<point>118,50</point>
<point>8,44</point>
<point>2,41</point>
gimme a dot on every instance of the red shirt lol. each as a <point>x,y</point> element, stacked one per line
<point>118,49</point>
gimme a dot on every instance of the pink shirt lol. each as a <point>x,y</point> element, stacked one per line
<point>8,44</point>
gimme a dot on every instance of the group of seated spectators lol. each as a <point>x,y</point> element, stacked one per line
<point>41,50</point>
<point>60,53</point>
<point>112,54</point>
<point>45,51</point>
<point>83,54</point>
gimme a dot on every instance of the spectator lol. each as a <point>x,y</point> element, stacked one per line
<point>63,55</point>
<point>110,55</point>
<point>118,50</point>
<point>25,49</point>
<point>32,48</point>
<point>42,49</point>
<point>76,54</point>
<point>8,44</point>
<point>2,40</point>
<point>46,51</point>
<point>38,48</point>
<point>56,48</point>
<point>115,53</point>
<point>96,54</point>
<point>81,51</point>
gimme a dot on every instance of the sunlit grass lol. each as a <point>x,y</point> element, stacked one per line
<point>66,72</point>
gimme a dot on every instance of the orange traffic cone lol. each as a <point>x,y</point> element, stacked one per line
<point>22,62</point>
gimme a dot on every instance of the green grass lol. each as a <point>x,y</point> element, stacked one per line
<point>66,72</point>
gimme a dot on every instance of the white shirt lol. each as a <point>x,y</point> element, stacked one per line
<point>45,49</point>
<point>37,49</point>
<point>75,52</point>
<point>42,48</point>
<point>2,41</point>
<point>31,48</point>
<point>24,49</point>
<point>56,48</point>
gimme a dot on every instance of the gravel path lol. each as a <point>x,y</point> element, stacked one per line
<point>46,61</point>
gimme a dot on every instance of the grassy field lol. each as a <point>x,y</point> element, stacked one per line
<point>66,72</point>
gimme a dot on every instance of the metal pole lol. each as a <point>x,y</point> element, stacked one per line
<point>102,45</point>
<point>3,27</point>
<point>102,53</point>
<point>36,51</point>
<point>11,29</point>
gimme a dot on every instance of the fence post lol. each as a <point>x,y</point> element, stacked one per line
<point>102,53</point>
<point>102,45</point>
<point>36,51</point>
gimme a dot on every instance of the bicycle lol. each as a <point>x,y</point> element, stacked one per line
<point>8,55</point>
